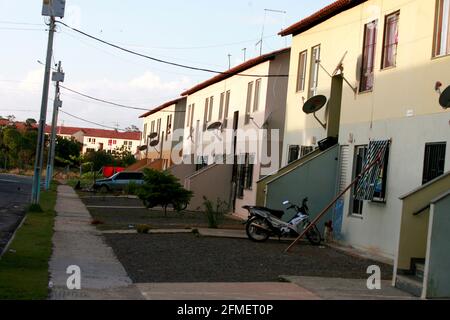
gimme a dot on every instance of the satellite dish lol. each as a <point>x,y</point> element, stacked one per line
<point>142,148</point>
<point>154,143</point>
<point>314,104</point>
<point>153,135</point>
<point>214,126</point>
<point>444,99</point>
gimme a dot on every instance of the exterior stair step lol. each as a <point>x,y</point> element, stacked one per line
<point>410,284</point>
<point>420,269</point>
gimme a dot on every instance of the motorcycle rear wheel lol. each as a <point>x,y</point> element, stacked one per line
<point>257,234</point>
<point>313,236</point>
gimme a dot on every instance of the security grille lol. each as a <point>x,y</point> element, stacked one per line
<point>365,189</point>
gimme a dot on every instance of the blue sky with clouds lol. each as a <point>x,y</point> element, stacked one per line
<point>200,33</point>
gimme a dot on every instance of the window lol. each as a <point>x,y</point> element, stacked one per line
<point>442,29</point>
<point>249,168</point>
<point>145,133</point>
<point>245,170</point>
<point>314,71</point>
<point>192,115</point>
<point>294,153</point>
<point>356,206</point>
<point>379,194</point>
<point>372,184</point>
<point>188,117</point>
<point>221,105</point>
<point>205,115</point>
<point>249,102</point>
<point>152,127</point>
<point>168,126</point>
<point>301,72</point>
<point>306,150</point>
<point>211,108</point>
<point>390,41</point>
<point>158,127</point>
<point>368,57</point>
<point>257,95</point>
<point>434,161</point>
<point>227,108</point>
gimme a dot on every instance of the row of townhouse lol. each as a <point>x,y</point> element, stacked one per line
<point>99,139</point>
<point>382,65</point>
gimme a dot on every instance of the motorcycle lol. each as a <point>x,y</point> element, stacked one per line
<point>264,223</point>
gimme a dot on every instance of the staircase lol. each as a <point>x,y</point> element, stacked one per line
<point>412,282</point>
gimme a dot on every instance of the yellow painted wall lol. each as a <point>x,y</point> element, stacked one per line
<point>408,86</point>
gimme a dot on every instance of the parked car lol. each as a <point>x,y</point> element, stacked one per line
<point>119,181</point>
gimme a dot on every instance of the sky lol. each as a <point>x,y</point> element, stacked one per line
<point>198,33</point>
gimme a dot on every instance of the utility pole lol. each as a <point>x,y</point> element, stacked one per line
<point>58,76</point>
<point>229,61</point>
<point>35,196</point>
<point>52,9</point>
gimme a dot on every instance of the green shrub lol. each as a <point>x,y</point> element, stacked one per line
<point>161,188</point>
<point>143,228</point>
<point>215,212</point>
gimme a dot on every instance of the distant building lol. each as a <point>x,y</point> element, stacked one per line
<point>99,139</point>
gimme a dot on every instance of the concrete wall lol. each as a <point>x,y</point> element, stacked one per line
<point>213,182</point>
<point>437,275</point>
<point>414,229</point>
<point>182,171</point>
<point>262,183</point>
<point>403,106</point>
<point>314,179</point>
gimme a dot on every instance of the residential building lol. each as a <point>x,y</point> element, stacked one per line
<point>161,125</point>
<point>390,57</point>
<point>243,100</point>
<point>107,140</point>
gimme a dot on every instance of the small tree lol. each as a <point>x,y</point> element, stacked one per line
<point>162,188</point>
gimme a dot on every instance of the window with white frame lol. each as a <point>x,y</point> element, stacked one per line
<point>314,71</point>
<point>257,95</point>
<point>390,41</point>
<point>368,57</point>
<point>301,72</point>
<point>442,29</point>
<point>249,102</point>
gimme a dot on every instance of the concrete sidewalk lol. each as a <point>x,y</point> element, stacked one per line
<point>77,243</point>
<point>347,289</point>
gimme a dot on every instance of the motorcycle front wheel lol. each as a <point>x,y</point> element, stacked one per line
<point>313,236</point>
<point>257,234</point>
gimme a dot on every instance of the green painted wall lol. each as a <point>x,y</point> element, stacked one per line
<point>438,285</point>
<point>315,179</point>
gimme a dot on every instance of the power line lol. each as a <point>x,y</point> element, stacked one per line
<point>164,61</point>
<point>91,122</point>
<point>118,105</point>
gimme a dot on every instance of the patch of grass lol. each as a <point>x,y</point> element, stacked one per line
<point>24,268</point>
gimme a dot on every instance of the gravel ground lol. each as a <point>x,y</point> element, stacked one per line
<point>120,219</point>
<point>186,258</point>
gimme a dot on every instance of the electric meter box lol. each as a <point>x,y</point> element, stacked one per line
<point>54,8</point>
<point>58,76</point>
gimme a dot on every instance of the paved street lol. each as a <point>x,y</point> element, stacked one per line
<point>15,193</point>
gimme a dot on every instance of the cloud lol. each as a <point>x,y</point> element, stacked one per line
<point>146,90</point>
<point>151,81</point>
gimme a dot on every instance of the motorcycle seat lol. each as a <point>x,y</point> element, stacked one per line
<point>276,213</point>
